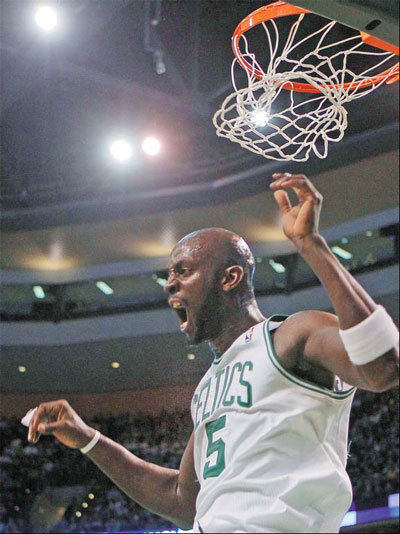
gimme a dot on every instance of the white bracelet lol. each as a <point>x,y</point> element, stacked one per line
<point>91,443</point>
<point>371,338</point>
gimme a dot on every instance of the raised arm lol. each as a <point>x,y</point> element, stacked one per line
<point>335,343</point>
<point>169,493</point>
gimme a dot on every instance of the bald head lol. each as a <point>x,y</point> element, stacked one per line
<point>224,249</point>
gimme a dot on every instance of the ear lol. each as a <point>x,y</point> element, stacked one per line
<point>232,277</point>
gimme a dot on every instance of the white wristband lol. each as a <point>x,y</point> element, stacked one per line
<point>91,443</point>
<point>371,338</point>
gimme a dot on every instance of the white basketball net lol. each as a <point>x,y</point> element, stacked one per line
<point>251,115</point>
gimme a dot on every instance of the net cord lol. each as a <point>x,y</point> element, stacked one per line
<point>289,137</point>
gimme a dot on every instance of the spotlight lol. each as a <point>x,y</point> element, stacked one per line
<point>151,146</point>
<point>121,150</point>
<point>46,18</point>
<point>259,118</point>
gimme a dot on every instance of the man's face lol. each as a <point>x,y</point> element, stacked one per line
<point>195,292</point>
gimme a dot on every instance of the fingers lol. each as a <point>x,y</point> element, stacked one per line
<point>303,187</point>
<point>45,413</point>
<point>49,428</point>
<point>282,199</point>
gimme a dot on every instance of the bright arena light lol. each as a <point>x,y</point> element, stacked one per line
<point>46,18</point>
<point>259,118</point>
<point>121,150</point>
<point>151,146</point>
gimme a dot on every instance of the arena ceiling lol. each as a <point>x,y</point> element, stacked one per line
<point>65,95</point>
<point>68,209</point>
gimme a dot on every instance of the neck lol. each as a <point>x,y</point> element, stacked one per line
<point>236,321</point>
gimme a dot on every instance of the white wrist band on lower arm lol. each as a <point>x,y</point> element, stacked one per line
<point>371,338</point>
<point>91,443</point>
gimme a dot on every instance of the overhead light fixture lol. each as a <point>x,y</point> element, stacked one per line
<point>104,288</point>
<point>151,146</point>
<point>91,496</point>
<point>39,292</point>
<point>115,365</point>
<point>85,505</point>
<point>344,240</point>
<point>191,356</point>
<point>277,267</point>
<point>369,233</point>
<point>342,253</point>
<point>21,369</point>
<point>121,150</point>
<point>78,514</point>
<point>46,18</point>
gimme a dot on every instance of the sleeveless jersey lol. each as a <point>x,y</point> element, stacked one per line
<point>270,449</point>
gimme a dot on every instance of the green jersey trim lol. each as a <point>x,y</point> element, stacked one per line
<point>290,376</point>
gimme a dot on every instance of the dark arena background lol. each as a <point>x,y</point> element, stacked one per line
<point>108,157</point>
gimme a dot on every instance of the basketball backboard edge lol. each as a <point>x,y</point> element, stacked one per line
<point>379,18</point>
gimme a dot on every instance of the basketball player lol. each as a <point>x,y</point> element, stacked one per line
<point>268,450</point>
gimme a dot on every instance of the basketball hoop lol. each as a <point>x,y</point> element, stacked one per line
<point>319,84</point>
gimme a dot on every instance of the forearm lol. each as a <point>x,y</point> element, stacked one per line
<point>352,304</point>
<point>151,486</point>
<point>361,343</point>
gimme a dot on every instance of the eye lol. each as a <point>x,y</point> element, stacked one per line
<point>186,271</point>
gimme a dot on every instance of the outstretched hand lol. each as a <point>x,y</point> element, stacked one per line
<point>59,419</point>
<point>302,220</point>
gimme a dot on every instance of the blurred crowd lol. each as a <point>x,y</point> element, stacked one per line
<point>49,488</point>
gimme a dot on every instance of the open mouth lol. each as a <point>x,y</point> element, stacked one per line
<point>182,315</point>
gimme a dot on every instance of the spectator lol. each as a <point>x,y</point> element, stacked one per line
<point>26,470</point>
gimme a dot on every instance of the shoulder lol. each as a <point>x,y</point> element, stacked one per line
<point>291,336</point>
<point>300,325</point>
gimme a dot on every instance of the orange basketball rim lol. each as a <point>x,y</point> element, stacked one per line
<point>283,9</point>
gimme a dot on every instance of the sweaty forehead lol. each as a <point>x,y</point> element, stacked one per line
<point>193,249</point>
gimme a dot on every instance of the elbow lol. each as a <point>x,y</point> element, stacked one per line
<point>382,374</point>
<point>186,524</point>
<point>185,518</point>
<point>384,385</point>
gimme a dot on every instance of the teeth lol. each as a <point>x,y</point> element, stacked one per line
<point>176,305</point>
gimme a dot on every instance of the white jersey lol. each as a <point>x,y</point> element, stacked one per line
<point>270,449</point>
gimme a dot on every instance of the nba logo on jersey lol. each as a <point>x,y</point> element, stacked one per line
<point>339,385</point>
<point>249,335</point>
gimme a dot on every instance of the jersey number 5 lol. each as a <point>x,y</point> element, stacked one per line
<point>217,446</point>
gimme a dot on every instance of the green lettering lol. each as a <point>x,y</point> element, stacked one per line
<point>232,399</point>
<point>226,370</point>
<point>195,399</point>
<point>218,377</point>
<point>249,402</point>
<point>207,385</point>
<point>199,405</point>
